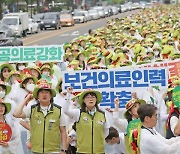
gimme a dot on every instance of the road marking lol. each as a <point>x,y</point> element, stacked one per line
<point>39,34</point>
<point>49,36</point>
<point>64,34</point>
<point>75,33</point>
<point>67,30</point>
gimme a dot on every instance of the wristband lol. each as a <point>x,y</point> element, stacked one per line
<point>62,150</point>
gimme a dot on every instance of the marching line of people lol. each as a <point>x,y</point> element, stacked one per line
<point>36,116</point>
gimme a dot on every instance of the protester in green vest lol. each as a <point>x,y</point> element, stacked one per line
<point>47,125</point>
<point>91,125</point>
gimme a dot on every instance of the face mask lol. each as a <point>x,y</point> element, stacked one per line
<point>30,87</point>
<point>13,81</point>
<point>110,49</point>
<point>159,34</point>
<point>21,67</point>
<point>156,52</point>
<point>133,42</point>
<point>46,73</point>
<point>2,94</point>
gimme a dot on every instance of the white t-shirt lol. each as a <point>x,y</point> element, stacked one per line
<point>120,148</point>
<point>173,123</point>
<point>27,112</point>
<point>60,100</point>
<point>120,123</point>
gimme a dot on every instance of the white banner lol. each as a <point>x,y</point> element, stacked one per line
<point>116,82</point>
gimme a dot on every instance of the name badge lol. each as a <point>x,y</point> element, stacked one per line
<point>39,122</point>
<point>100,122</point>
<point>52,120</point>
<point>85,119</point>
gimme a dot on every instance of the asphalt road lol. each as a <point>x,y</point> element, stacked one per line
<point>66,34</point>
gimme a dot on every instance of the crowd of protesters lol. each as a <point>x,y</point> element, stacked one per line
<point>150,36</point>
<point>45,119</point>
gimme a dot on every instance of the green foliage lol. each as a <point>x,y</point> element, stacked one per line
<point>69,3</point>
<point>56,9</point>
<point>9,1</point>
<point>117,1</point>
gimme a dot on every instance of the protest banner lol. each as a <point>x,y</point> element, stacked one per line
<point>173,66</point>
<point>5,132</point>
<point>21,54</point>
<point>114,83</point>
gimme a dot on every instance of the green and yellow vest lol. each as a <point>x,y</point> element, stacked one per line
<point>132,138</point>
<point>90,133</point>
<point>45,132</point>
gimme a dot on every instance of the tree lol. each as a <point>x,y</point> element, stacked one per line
<point>117,1</point>
<point>94,2</point>
<point>7,2</point>
<point>1,6</point>
<point>68,3</point>
<point>1,10</point>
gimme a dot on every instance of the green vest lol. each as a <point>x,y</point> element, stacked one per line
<point>45,131</point>
<point>90,133</point>
<point>131,141</point>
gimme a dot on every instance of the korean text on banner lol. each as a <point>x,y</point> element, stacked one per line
<point>116,82</point>
<point>52,53</point>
